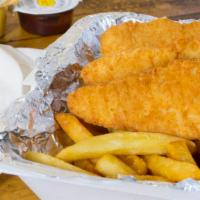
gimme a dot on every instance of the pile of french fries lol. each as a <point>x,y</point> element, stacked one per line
<point>145,156</point>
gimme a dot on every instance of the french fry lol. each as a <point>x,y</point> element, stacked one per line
<point>150,178</point>
<point>171,169</point>
<point>111,166</point>
<point>51,161</point>
<point>77,132</point>
<point>135,162</point>
<point>120,143</point>
<point>63,138</point>
<point>179,151</point>
<point>86,165</point>
<point>197,142</point>
<point>94,130</point>
<point>72,126</point>
<point>94,161</point>
<point>191,146</point>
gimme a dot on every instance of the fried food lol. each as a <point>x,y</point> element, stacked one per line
<point>131,35</point>
<point>86,165</point>
<point>72,127</point>
<point>165,100</point>
<point>171,169</point>
<point>188,49</point>
<point>111,166</point>
<point>119,143</point>
<point>122,64</point>
<point>192,30</point>
<point>150,178</point>
<point>77,132</point>
<point>159,33</point>
<point>51,161</point>
<point>136,163</point>
<point>63,138</point>
<point>179,151</point>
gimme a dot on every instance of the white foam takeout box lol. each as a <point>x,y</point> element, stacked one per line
<point>50,183</point>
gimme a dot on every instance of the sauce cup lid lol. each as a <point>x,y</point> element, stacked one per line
<point>42,7</point>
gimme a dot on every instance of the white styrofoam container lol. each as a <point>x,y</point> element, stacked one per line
<point>50,189</point>
<point>50,183</point>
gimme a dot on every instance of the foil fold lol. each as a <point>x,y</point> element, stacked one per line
<point>28,124</point>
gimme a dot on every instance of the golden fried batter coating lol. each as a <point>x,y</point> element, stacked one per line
<point>119,65</point>
<point>165,100</point>
<point>158,33</point>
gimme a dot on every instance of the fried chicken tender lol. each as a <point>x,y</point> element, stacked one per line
<point>158,33</point>
<point>119,65</point>
<point>192,30</point>
<point>188,49</point>
<point>165,100</point>
<point>122,64</point>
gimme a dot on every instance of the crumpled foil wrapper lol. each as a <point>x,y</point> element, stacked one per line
<point>28,124</point>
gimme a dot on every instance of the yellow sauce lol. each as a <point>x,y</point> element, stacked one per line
<point>46,2</point>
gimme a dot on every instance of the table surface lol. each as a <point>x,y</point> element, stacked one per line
<point>11,187</point>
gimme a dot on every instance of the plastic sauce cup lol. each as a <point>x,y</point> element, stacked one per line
<point>46,17</point>
<point>47,24</point>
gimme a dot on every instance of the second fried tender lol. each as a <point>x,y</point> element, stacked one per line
<point>119,65</point>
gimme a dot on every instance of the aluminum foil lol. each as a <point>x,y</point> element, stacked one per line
<point>28,124</point>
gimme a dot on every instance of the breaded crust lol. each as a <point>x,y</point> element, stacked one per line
<point>122,64</point>
<point>159,33</point>
<point>166,100</point>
